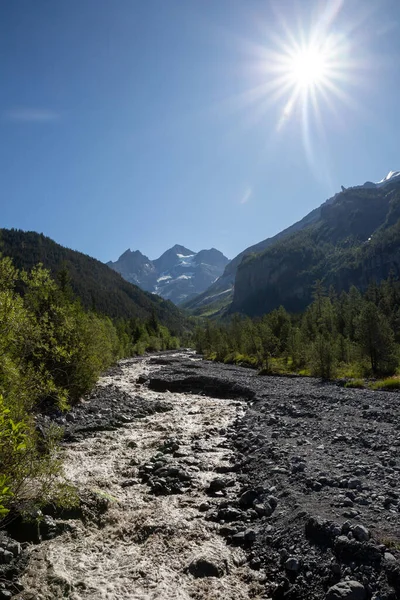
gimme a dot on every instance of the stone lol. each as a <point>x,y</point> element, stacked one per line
<point>229,514</point>
<point>361,533</point>
<point>255,563</point>
<point>292,564</point>
<point>250,535</point>
<point>247,499</point>
<point>346,590</point>
<point>272,501</point>
<point>204,507</point>
<point>318,531</point>
<point>129,483</point>
<point>11,545</point>
<point>227,530</point>
<point>354,484</point>
<point>14,547</point>
<point>346,527</point>
<point>389,557</point>
<point>7,557</point>
<point>260,510</point>
<point>336,568</point>
<point>238,538</point>
<point>359,552</point>
<point>48,528</point>
<point>204,567</point>
<point>218,485</point>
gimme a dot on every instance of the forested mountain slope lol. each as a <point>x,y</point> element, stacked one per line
<point>97,285</point>
<point>355,241</point>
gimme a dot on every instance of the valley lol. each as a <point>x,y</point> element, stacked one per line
<point>200,300</point>
<point>201,480</point>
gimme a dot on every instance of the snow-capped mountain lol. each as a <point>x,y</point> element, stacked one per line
<point>177,275</point>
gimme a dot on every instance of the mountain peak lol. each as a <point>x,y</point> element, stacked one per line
<point>178,249</point>
<point>179,273</point>
<point>389,177</point>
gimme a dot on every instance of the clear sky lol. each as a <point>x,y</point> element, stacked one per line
<point>145,123</point>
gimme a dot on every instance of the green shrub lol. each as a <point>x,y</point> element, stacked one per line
<point>52,351</point>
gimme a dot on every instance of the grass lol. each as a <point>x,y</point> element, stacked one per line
<point>242,359</point>
<point>391,383</point>
<point>304,373</point>
<point>277,366</point>
<point>355,383</point>
<point>352,370</point>
<point>390,543</point>
<point>282,366</point>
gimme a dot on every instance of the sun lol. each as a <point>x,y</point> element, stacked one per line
<point>308,67</point>
<point>307,73</point>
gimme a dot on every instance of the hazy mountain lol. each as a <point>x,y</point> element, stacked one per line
<point>177,275</point>
<point>92,281</point>
<point>354,214</point>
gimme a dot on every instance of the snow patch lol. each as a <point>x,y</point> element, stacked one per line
<point>389,176</point>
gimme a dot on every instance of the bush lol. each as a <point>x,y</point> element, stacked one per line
<point>26,465</point>
<point>52,351</point>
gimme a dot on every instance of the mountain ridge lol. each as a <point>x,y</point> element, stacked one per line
<point>355,241</point>
<point>97,286</point>
<point>218,298</point>
<point>177,275</point>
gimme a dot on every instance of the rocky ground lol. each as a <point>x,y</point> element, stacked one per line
<point>200,480</point>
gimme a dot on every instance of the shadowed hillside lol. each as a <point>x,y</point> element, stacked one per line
<point>98,286</point>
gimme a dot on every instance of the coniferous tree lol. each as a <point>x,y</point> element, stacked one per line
<point>376,339</point>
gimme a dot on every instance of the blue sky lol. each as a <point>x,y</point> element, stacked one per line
<point>142,124</point>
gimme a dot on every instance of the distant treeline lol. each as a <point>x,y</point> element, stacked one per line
<point>350,335</point>
<point>52,351</point>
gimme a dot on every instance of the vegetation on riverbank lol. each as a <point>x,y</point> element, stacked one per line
<point>349,336</point>
<point>52,351</point>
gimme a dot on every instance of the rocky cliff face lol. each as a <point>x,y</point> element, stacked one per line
<point>355,241</point>
<point>177,275</point>
<point>136,268</point>
<point>220,293</point>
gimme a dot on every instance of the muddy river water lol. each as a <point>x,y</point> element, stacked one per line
<point>147,542</point>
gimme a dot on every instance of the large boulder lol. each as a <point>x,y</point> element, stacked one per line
<point>346,590</point>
